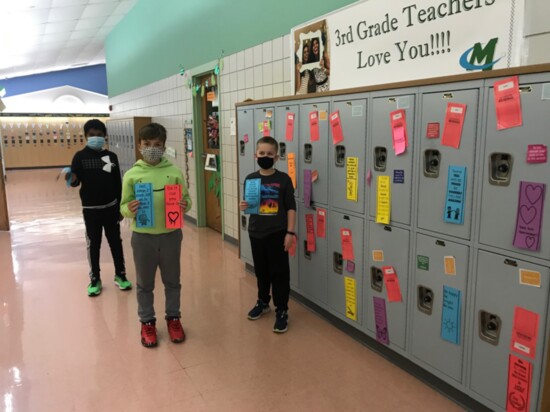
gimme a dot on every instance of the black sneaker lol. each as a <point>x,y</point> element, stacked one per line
<point>281,321</point>
<point>257,311</point>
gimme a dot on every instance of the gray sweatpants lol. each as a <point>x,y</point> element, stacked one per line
<point>152,252</point>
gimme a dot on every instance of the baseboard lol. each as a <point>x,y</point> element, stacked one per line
<point>190,219</point>
<point>230,239</point>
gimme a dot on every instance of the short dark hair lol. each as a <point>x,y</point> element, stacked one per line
<point>269,140</point>
<point>153,131</point>
<point>94,124</point>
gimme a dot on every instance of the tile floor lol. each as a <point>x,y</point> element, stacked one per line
<point>63,351</point>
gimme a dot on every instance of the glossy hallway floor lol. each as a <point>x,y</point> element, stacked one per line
<point>62,351</point>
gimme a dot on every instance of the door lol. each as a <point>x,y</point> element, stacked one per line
<point>211,153</point>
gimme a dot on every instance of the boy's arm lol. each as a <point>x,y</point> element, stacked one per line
<point>76,169</point>
<point>127,196</point>
<point>291,220</point>
<point>184,192</point>
<point>290,206</point>
<point>117,178</point>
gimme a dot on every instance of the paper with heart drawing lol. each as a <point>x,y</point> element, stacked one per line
<point>529,215</point>
<point>172,195</point>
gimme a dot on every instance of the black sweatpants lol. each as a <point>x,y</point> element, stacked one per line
<point>272,268</point>
<point>95,221</point>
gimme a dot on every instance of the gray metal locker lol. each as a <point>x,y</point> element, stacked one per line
<point>261,115</point>
<point>314,154</point>
<point>498,292</point>
<point>245,143</point>
<point>246,250</point>
<point>435,159</point>
<point>384,161</point>
<point>338,268</point>
<point>353,120</point>
<point>285,146</point>
<point>293,260</point>
<point>505,166</point>
<point>390,247</point>
<point>313,265</point>
<point>427,345</point>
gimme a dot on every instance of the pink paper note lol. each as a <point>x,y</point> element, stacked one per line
<point>432,131</point>
<point>454,121</point>
<point>529,215</point>
<point>172,195</point>
<point>520,373</point>
<point>310,229</point>
<point>336,126</point>
<point>537,153</point>
<point>289,135</point>
<point>525,332</point>
<point>245,138</point>
<point>507,103</point>
<point>321,222</point>
<point>392,284</point>
<point>314,126</point>
<point>399,131</point>
<point>267,128</point>
<point>347,244</point>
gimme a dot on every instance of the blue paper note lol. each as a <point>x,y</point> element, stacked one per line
<point>398,176</point>
<point>144,194</point>
<point>450,317</point>
<point>252,193</point>
<point>456,195</point>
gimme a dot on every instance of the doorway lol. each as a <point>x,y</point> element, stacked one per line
<point>210,133</point>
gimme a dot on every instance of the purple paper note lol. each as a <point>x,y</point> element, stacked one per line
<point>350,266</point>
<point>369,177</point>
<point>529,215</point>
<point>307,188</point>
<point>381,320</point>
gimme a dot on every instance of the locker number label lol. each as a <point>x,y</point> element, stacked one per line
<point>423,262</point>
<point>529,278</point>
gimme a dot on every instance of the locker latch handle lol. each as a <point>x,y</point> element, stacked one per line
<point>380,157</point>
<point>500,169</point>
<point>490,326</point>
<point>307,254</point>
<point>425,300</point>
<point>308,153</point>
<point>376,279</point>
<point>432,163</point>
<point>282,150</point>
<point>242,147</point>
<point>340,156</point>
<point>337,263</point>
<point>243,222</point>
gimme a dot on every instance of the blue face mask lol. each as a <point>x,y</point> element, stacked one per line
<point>96,142</point>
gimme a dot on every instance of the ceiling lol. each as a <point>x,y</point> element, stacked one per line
<point>38,36</point>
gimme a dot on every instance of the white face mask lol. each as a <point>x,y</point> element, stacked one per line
<point>152,154</point>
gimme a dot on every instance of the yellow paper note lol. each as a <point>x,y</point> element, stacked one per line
<point>383,202</point>
<point>378,255</point>
<point>292,168</point>
<point>323,115</point>
<point>351,298</point>
<point>352,173</point>
<point>529,278</point>
<point>450,265</point>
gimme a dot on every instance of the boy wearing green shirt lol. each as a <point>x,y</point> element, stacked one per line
<point>157,246</point>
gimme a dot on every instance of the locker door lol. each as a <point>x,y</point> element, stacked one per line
<point>288,146</point>
<point>435,160</point>
<point>245,143</point>
<point>313,265</point>
<point>353,119</point>
<point>387,246</point>
<point>246,250</point>
<point>498,292</point>
<point>505,166</point>
<point>314,154</point>
<point>261,115</point>
<point>339,269</point>
<point>384,161</point>
<point>428,323</point>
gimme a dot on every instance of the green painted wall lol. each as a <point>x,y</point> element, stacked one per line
<point>157,36</point>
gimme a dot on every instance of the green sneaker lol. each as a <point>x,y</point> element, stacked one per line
<point>122,282</point>
<point>94,288</point>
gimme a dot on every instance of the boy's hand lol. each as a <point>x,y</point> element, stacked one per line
<point>133,206</point>
<point>243,205</point>
<point>183,204</point>
<point>289,241</point>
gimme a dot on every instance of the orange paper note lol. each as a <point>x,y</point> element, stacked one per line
<point>172,195</point>
<point>321,223</point>
<point>507,103</point>
<point>347,244</point>
<point>454,121</point>
<point>292,168</point>
<point>525,332</point>
<point>520,373</point>
<point>392,284</point>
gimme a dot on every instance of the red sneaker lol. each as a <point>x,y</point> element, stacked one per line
<point>175,330</point>
<point>148,335</point>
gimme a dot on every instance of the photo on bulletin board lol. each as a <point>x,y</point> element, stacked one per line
<point>312,58</point>
<point>211,163</point>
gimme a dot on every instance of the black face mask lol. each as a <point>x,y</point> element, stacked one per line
<point>266,162</point>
